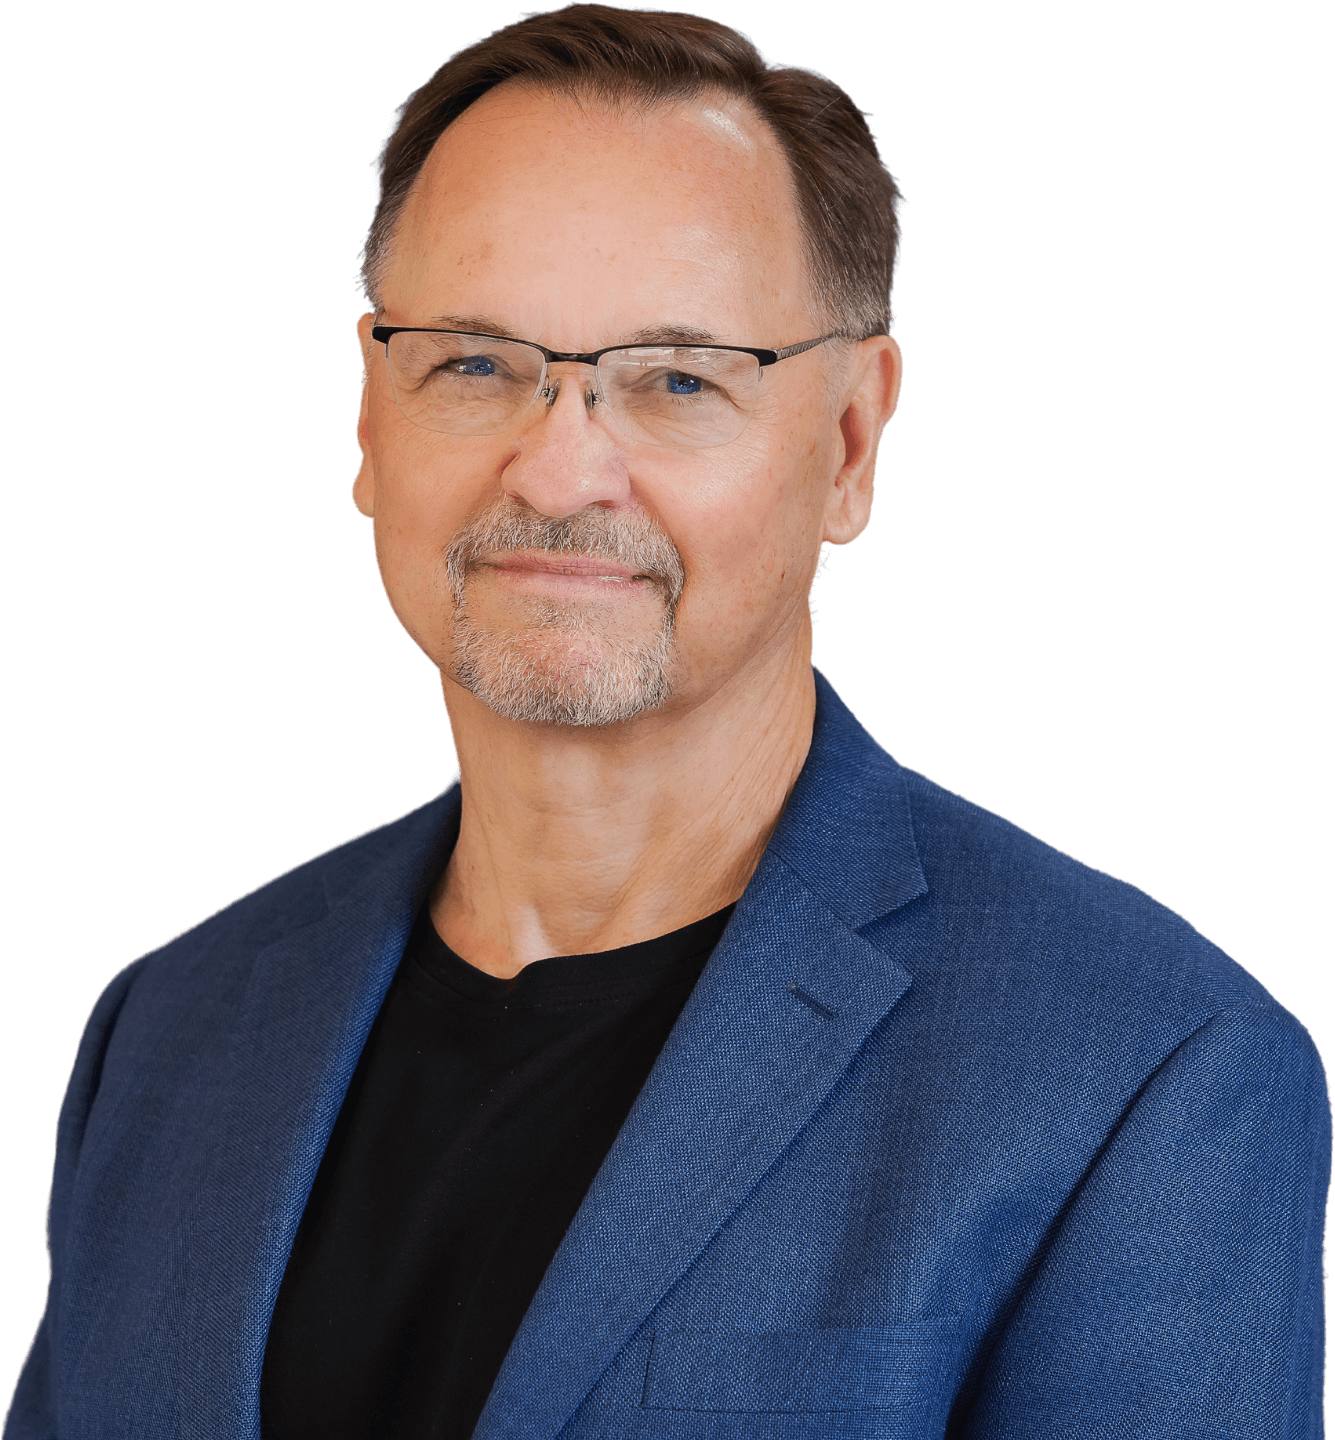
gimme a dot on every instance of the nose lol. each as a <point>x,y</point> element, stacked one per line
<point>567,457</point>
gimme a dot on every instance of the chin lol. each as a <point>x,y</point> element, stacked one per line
<point>563,672</point>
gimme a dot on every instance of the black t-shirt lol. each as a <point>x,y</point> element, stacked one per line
<point>477,1118</point>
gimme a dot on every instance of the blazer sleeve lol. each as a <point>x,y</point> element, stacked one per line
<point>1179,1294</point>
<point>34,1413</point>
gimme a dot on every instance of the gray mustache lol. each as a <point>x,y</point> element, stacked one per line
<point>631,538</point>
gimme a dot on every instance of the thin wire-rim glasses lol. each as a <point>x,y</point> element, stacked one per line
<point>683,396</point>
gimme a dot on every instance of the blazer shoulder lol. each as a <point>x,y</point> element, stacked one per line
<point>301,896</point>
<point>180,996</point>
<point>1066,922</point>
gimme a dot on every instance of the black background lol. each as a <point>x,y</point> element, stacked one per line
<point>1077,601</point>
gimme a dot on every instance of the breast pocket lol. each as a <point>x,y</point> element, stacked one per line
<point>804,1371</point>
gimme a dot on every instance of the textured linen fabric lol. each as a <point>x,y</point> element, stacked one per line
<point>954,1137</point>
<point>479,1114</point>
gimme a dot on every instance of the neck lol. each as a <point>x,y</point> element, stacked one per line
<point>573,841</point>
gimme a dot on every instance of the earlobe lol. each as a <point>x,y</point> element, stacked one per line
<point>848,507</point>
<point>363,487</point>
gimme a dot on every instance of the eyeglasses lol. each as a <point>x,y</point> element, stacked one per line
<point>688,397</point>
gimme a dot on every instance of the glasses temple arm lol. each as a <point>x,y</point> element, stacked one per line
<point>803,345</point>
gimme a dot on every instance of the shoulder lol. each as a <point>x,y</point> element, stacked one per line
<point>1045,952</point>
<point>214,952</point>
<point>165,1021</point>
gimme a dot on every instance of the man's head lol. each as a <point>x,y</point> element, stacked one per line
<point>594,547</point>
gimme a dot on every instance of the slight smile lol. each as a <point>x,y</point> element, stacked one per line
<point>564,573</point>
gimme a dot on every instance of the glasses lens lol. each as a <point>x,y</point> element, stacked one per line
<point>689,397</point>
<point>462,384</point>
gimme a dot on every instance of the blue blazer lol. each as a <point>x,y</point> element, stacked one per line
<point>954,1137</point>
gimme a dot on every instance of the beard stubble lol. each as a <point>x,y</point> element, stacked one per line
<point>559,665</point>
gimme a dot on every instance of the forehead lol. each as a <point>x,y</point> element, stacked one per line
<point>596,220</point>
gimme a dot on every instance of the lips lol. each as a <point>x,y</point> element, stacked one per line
<point>582,567</point>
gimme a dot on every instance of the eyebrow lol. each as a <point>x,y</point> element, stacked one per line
<point>673,335</point>
<point>650,335</point>
<point>475,325</point>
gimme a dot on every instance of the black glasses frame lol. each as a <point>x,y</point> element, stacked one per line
<point>384,333</point>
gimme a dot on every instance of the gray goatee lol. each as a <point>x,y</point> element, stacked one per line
<point>557,667</point>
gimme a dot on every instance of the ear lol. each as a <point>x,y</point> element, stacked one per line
<point>363,487</point>
<point>870,395</point>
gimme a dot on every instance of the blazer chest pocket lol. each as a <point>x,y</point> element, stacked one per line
<point>844,1368</point>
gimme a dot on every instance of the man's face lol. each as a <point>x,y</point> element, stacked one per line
<point>581,226</point>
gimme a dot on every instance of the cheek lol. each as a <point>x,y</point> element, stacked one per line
<point>414,578</point>
<point>427,483</point>
<point>412,518</point>
<point>426,487</point>
<point>748,526</point>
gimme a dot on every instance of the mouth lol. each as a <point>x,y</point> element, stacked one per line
<point>564,574</point>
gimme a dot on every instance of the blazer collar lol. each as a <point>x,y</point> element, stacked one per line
<point>847,830</point>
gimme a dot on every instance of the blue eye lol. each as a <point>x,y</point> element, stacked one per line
<point>477,365</point>
<point>679,384</point>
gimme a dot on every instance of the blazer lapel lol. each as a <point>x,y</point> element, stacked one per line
<point>784,1004</point>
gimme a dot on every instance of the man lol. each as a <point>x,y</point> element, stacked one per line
<point>690,1069</point>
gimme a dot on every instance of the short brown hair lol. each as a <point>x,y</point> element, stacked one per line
<point>846,197</point>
